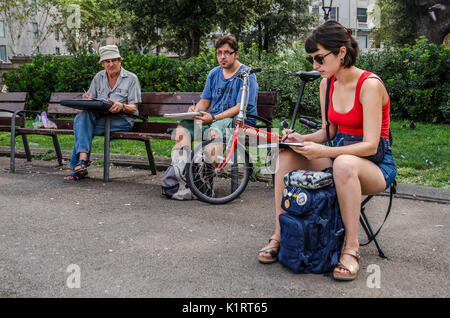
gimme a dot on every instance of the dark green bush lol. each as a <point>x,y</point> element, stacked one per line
<point>417,77</point>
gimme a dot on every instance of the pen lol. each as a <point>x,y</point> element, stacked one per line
<point>293,131</point>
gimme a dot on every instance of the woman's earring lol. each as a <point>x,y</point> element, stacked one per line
<point>342,61</point>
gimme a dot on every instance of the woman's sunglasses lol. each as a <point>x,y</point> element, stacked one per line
<point>317,58</point>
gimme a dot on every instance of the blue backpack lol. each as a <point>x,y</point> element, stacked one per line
<point>312,232</point>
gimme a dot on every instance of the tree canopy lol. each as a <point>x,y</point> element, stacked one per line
<point>402,21</point>
<point>182,25</point>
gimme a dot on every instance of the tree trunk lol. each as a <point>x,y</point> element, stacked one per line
<point>434,30</point>
<point>195,44</point>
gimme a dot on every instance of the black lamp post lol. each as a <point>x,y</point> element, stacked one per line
<point>326,7</point>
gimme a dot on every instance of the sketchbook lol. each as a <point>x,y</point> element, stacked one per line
<point>281,145</point>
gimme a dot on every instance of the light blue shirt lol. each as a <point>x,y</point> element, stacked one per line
<point>226,93</point>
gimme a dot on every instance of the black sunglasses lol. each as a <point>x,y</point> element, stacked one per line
<point>317,58</point>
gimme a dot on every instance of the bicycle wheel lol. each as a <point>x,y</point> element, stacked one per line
<point>213,186</point>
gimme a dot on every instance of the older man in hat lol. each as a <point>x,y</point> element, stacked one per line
<point>120,87</point>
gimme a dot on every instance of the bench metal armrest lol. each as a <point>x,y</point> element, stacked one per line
<point>13,119</point>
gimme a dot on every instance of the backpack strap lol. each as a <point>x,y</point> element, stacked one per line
<point>327,102</point>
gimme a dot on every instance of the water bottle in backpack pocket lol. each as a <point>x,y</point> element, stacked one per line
<point>312,232</point>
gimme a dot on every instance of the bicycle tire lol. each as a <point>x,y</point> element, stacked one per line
<point>198,175</point>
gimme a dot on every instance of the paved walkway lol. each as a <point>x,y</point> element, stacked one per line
<point>126,240</point>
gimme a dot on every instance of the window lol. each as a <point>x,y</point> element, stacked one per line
<point>3,56</point>
<point>361,14</point>
<point>56,33</point>
<point>315,10</point>
<point>57,52</point>
<point>35,30</point>
<point>362,41</point>
<point>2,29</point>
<point>334,13</point>
<point>34,7</point>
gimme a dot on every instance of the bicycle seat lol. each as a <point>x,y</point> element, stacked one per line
<point>308,76</point>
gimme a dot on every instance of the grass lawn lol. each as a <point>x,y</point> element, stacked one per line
<point>422,155</point>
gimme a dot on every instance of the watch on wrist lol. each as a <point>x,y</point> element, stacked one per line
<point>214,118</point>
<point>123,108</point>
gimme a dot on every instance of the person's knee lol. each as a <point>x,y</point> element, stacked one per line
<point>344,168</point>
<point>181,135</point>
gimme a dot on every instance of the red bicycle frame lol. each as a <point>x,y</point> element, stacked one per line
<point>270,137</point>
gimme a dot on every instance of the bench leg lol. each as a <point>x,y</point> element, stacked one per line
<point>12,164</point>
<point>57,149</point>
<point>26,146</point>
<point>151,159</point>
<point>106,149</point>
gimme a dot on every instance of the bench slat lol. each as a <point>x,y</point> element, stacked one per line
<point>138,135</point>
<point>6,121</point>
<point>43,131</point>
<point>56,97</point>
<point>12,106</point>
<point>13,97</point>
<point>59,109</point>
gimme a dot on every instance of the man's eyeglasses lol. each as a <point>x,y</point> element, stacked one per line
<point>317,58</point>
<point>225,53</point>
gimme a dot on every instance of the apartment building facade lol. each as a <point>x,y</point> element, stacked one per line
<point>353,14</point>
<point>26,38</point>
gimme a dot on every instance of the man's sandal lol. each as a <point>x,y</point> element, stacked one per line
<point>353,272</point>
<point>270,249</point>
<point>77,176</point>
<point>83,165</point>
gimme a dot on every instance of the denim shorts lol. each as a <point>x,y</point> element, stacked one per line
<point>387,166</point>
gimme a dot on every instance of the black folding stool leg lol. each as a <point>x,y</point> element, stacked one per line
<point>366,224</point>
<point>369,232</point>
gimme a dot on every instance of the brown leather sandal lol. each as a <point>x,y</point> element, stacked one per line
<point>270,249</point>
<point>353,272</point>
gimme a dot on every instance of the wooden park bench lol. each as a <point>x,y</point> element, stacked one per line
<point>153,105</point>
<point>10,103</point>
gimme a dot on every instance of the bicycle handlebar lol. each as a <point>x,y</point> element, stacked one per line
<point>249,72</point>
<point>255,70</point>
<point>309,123</point>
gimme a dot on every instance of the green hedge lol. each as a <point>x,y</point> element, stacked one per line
<point>416,77</point>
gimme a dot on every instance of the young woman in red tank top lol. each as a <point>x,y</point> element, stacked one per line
<point>359,105</point>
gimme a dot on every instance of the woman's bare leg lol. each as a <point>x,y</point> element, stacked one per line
<point>354,176</point>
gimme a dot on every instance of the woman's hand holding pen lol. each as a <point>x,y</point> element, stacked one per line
<point>310,150</point>
<point>289,135</point>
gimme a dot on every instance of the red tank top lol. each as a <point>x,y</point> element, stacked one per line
<point>351,122</point>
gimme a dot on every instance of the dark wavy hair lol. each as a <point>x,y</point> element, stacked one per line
<point>227,39</point>
<point>332,35</point>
